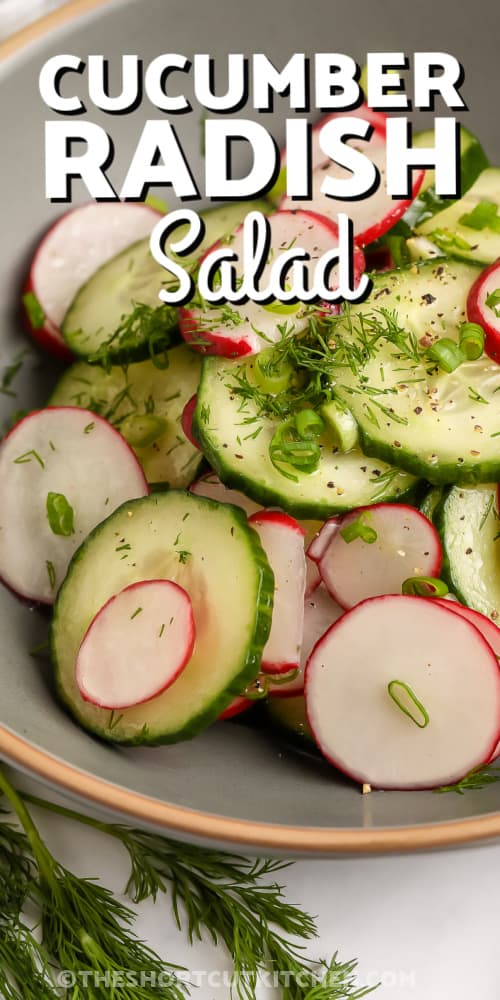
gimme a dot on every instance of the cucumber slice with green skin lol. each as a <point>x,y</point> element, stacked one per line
<point>430,503</point>
<point>210,551</point>
<point>469,526</point>
<point>145,404</point>
<point>440,426</point>
<point>239,453</point>
<point>460,240</point>
<point>132,277</point>
<point>473,160</point>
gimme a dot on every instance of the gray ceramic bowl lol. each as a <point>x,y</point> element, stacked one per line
<point>233,785</point>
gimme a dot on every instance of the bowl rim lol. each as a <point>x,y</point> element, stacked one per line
<point>203,826</point>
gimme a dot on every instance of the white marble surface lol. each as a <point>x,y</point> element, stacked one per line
<point>426,926</point>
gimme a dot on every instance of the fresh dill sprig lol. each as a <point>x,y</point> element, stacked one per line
<point>475,780</point>
<point>149,329</point>
<point>84,929</point>
<point>233,900</point>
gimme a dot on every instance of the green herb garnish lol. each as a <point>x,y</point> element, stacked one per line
<point>34,310</point>
<point>60,515</point>
<point>406,700</point>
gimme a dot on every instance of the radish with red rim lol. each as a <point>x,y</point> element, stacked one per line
<point>320,613</point>
<point>187,421</point>
<point>74,247</point>
<point>62,471</point>
<point>235,330</point>
<point>371,216</point>
<point>137,645</point>
<point>483,308</point>
<point>373,550</point>
<point>403,693</point>
<point>282,539</point>
<point>211,486</point>
<point>488,629</point>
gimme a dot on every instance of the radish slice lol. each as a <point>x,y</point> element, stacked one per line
<point>137,645</point>
<point>371,216</point>
<point>282,539</point>
<point>488,629</point>
<point>63,470</point>
<point>487,315</point>
<point>400,543</point>
<point>210,486</point>
<point>320,612</point>
<point>403,693</point>
<point>237,334</point>
<point>313,577</point>
<point>237,707</point>
<point>187,420</point>
<point>79,243</point>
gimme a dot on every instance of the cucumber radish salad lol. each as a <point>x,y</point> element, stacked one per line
<point>290,508</point>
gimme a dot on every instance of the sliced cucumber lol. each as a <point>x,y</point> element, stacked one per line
<point>473,160</point>
<point>236,442</point>
<point>133,277</point>
<point>430,502</point>
<point>463,241</point>
<point>210,551</point>
<point>469,525</point>
<point>145,403</point>
<point>440,426</point>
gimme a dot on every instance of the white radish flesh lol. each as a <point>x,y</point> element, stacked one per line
<point>439,668</point>
<point>373,215</point>
<point>320,612</point>
<point>282,539</point>
<point>404,544</point>
<point>488,629</point>
<point>237,335</point>
<point>63,470</point>
<point>137,645</point>
<point>79,243</point>
<point>210,486</point>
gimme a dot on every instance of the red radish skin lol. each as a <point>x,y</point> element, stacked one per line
<point>368,226</point>
<point>407,545</point>
<point>137,645</point>
<point>478,312</point>
<point>320,613</point>
<point>237,707</point>
<point>61,447</point>
<point>488,629</point>
<point>449,665</point>
<point>187,421</point>
<point>75,246</point>
<point>312,231</point>
<point>282,539</point>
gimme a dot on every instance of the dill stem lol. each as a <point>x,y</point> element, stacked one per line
<point>41,854</point>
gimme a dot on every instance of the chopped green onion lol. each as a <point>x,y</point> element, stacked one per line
<point>446,240</point>
<point>471,340</point>
<point>277,679</point>
<point>398,689</point>
<point>484,215</point>
<point>60,515</point>
<point>289,447</point>
<point>493,300</point>
<point>359,529</point>
<point>34,310</point>
<point>140,430</point>
<point>447,354</point>
<point>272,375</point>
<point>341,424</point>
<point>424,586</point>
<point>309,424</point>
